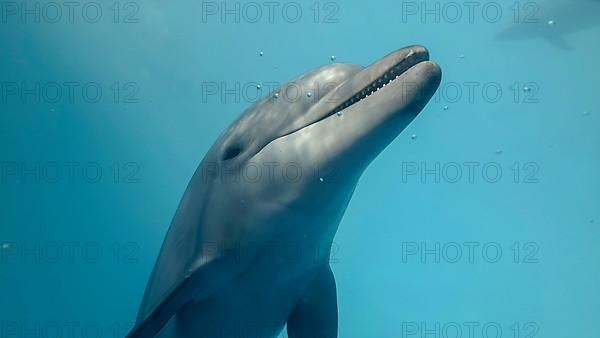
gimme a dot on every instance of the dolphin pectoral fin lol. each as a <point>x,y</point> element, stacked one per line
<point>316,314</point>
<point>199,283</point>
<point>175,299</point>
<point>162,313</point>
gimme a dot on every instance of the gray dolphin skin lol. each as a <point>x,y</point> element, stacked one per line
<point>553,21</point>
<point>247,254</point>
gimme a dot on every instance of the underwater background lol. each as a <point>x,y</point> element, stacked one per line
<point>480,220</point>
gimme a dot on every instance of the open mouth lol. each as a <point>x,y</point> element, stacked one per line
<point>389,74</point>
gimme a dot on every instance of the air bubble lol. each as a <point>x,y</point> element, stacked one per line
<point>332,58</point>
<point>526,89</point>
<point>413,136</point>
<point>498,151</point>
<point>551,23</point>
<point>257,86</point>
<point>309,94</point>
<point>339,113</point>
<point>445,107</point>
<point>261,53</point>
<point>276,95</point>
<point>321,179</point>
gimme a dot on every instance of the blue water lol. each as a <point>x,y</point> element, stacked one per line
<point>148,143</point>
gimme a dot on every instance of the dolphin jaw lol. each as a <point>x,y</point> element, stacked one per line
<point>392,73</point>
<point>376,76</point>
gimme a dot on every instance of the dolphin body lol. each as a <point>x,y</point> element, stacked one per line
<point>554,22</point>
<point>244,257</point>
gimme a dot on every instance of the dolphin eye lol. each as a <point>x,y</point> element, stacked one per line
<point>231,151</point>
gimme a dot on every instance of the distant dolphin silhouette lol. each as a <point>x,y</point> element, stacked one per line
<point>205,282</point>
<point>555,20</point>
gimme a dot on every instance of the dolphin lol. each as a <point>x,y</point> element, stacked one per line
<point>247,254</point>
<point>552,22</point>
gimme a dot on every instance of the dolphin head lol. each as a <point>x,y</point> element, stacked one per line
<point>305,145</point>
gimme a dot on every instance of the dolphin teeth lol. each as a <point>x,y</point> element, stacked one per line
<point>373,87</point>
